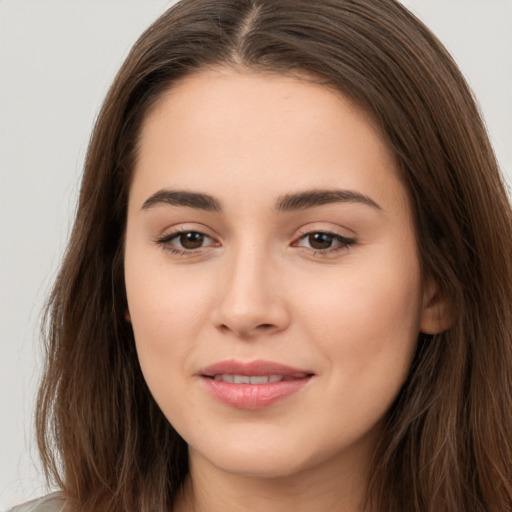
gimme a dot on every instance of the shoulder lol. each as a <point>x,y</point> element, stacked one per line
<point>53,502</point>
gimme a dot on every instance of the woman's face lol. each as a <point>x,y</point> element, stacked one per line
<point>272,274</point>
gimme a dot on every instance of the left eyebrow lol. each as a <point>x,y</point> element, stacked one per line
<point>182,198</point>
<point>313,198</point>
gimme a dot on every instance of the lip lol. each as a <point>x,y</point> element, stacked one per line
<point>253,396</point>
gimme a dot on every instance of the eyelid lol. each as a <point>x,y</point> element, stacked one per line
<point>176,234</point>
<point>184,227</point>
<point>164,240</point>
<point>343,242</point>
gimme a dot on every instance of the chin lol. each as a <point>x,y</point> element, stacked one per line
<point>265,459</point>
<point>261,466</point>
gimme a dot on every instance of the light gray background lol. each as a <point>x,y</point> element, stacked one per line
<point>57,58</point>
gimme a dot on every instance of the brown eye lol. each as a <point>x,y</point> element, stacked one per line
<point>191,240</point>
<point>323,242</point>
<point>319,241</point>
<point>186,243</point>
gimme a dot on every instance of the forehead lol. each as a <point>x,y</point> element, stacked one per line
<point>226,130</point>
<point>230,95</point>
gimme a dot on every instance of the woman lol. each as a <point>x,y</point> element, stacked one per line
<point>288,286</point>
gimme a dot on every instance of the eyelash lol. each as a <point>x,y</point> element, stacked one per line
<point>343,242</point>
<point>165,242</point>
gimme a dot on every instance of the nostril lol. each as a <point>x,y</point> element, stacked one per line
<point>247,331</point>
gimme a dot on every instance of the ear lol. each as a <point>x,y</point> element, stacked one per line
<point>127,316</point>
<point>437,313</point>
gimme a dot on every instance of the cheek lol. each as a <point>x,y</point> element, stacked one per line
<point>357,304</point>
<point>167,310</point>
<point>166,320</point>
<point>366,324</point>
<point>367,335</point>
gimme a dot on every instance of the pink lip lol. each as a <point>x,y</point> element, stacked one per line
<point>253,396</point>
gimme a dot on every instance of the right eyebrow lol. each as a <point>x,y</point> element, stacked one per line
<point>314,198</point>
<point>183,198</point>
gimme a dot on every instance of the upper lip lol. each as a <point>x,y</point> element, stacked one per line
<point>255,368</point>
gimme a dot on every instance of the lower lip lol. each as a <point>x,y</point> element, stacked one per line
<point>254,396</point>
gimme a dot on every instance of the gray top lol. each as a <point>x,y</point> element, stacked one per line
<point>53,502</point>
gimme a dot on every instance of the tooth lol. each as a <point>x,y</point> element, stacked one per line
<point>246,379</point>
<point>262,379</point>
<point>241,379</point>
<point>224,377</point>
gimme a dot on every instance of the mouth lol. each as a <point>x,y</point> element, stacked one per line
<point>253,385</point>
<point>251,379</point>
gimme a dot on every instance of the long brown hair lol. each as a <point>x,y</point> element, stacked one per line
<point>447,446</point>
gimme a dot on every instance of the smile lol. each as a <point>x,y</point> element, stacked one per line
<point>251,379</point>
<point>253,385</point>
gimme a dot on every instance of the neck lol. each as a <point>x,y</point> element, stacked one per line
<point>333,486</point>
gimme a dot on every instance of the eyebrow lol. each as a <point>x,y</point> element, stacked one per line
<point>286,203</point>
<point>312,198</point>
<point>183,198</point>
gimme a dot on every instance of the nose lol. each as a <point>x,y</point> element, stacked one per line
<point>251,301</point>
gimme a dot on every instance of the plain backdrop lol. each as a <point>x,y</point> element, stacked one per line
<point>57,59</point>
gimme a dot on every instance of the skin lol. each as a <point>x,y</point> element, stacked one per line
<point>255,288</point>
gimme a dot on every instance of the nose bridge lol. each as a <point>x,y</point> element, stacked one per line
<point>250,300</point>
<point>251,267</point>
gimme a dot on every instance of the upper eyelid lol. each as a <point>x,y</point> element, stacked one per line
<point>185,227</point>
<point>342,239</point>
<point>174,231</point>
<point>341,231</point>
<point>333,234</point>
<point>177,233</point>
<point>167,243</point>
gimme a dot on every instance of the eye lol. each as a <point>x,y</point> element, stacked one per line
<point>183,242</point>
<point>322,241</point>
<point>190,240</point>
